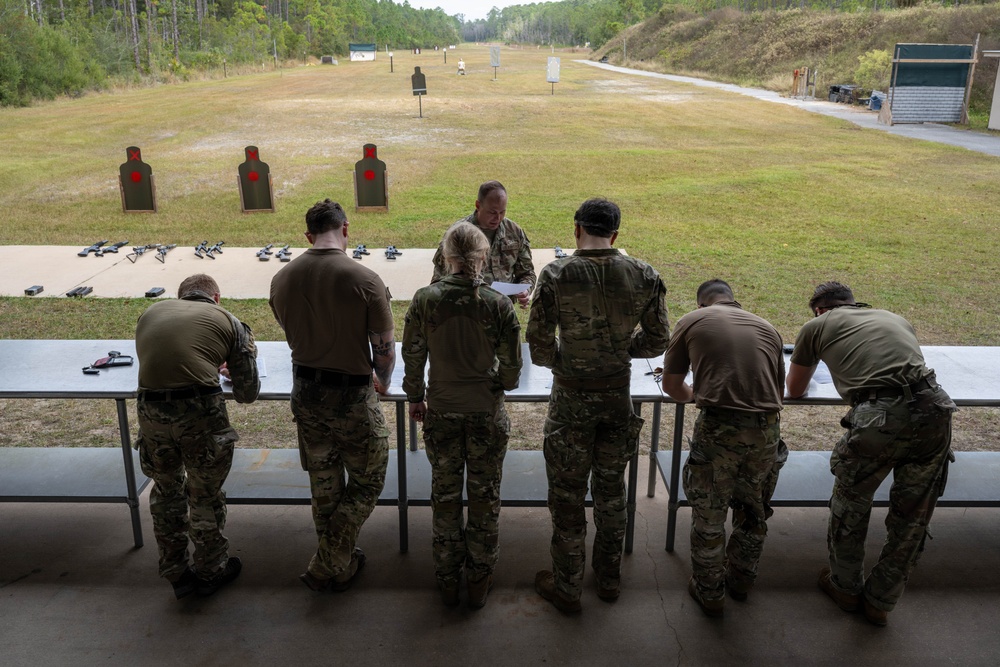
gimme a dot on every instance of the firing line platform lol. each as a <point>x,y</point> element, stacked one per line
<point>240,274</point>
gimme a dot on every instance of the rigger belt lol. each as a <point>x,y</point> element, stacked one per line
<point>890,392</point>
<point>331,378</point>
<point>179,394</point>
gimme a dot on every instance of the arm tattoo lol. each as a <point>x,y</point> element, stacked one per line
<point>382,349</point>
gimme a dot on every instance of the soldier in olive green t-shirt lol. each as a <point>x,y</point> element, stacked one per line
<point>185,441</point>
<point>899,422</point>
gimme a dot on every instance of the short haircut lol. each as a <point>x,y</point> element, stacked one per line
<point>325,216</point>
<point>199,282</point>
<point>465,248</point>
<point>599,217</point>
<point>710,291</point>
<point>831,293</point>
<point>488,188</point>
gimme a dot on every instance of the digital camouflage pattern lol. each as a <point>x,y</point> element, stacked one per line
<point>731,465</point>
<point>911,440</point>
<point>466,450</point>
<point>340,431</point>
<point>509,258</point>
<point>607,309</point>
<point>186,448</point>
<point>590,436</point>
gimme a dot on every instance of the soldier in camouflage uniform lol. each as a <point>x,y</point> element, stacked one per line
<point>336,317</point>
<point>607,308</point>
<point>739,376</point>
<point>470,333</point>
<point>899,422</point>
<point>185,441</point>
<point>509,256</point>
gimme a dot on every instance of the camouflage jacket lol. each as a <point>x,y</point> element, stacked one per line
<point>608,309</point>
<point>508,261</point>
<point>472,337</point>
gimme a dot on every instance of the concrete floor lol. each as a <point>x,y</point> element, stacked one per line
<point>73,591</point>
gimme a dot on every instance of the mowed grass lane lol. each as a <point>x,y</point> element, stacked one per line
<point>770,198</point>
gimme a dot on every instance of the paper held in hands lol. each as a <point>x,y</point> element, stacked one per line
<point>510,289</point>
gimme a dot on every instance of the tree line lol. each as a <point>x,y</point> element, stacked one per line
<point>594,22</point>
<point>53,47</point>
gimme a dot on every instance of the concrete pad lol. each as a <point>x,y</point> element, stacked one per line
<point>74,592</point>
<point>239,272</point>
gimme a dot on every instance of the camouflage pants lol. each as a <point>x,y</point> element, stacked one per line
<point>466,450</point>
<point>730,464</point>
<point>341,432</point>
<point>186,448</point>
<point>589,436</point>
<point>911,440</point>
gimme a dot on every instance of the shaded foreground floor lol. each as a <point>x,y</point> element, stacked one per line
<point>74,592</point>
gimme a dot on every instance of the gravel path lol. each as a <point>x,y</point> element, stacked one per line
<point>980,142</point>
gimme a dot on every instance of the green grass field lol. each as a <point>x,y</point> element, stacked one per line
<point>770,198</point>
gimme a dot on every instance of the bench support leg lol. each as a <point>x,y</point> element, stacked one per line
<point>675,476</point>
<point>132,495</point>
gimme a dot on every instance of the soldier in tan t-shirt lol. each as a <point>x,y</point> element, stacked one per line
<point>337,320</point>
<point>739,375</point>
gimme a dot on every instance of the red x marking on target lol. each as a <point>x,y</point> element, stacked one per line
<point>134,155</point>
<point>252,154</point>
<point>369,152</point>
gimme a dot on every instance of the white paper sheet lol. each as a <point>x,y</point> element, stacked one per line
<point>510,289</point>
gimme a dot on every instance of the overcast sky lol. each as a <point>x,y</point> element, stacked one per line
<point>473,9</point>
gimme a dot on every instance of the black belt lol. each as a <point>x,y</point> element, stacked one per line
<point>179,394</point>
<point>331,378</point>
<point>889,392</point>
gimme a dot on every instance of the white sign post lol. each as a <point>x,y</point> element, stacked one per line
<point>552,72</point>
<point>494,60</point>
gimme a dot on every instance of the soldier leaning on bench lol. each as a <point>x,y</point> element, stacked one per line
<point>185,441</point>
<point>899,422</point>
<point>739,376</point>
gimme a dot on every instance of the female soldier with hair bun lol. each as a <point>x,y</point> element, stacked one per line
<point>471,334</point>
